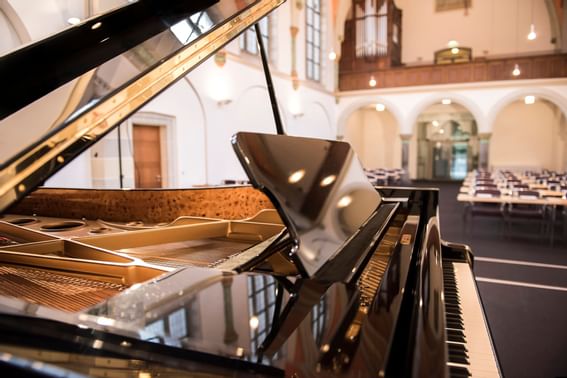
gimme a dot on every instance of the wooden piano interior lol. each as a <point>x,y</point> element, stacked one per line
<point>71,249</point>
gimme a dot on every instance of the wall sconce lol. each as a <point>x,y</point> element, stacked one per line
<point>295,107</point>
<point>332,55</point>
<point>224,102</point>
<point>219,86</point>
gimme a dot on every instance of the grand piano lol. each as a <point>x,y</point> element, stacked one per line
<point>308,272</point>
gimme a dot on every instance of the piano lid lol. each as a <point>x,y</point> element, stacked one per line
<point>98,73</point>
<point>318,186</point>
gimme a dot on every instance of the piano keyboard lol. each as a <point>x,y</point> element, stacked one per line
<point>468,340</point>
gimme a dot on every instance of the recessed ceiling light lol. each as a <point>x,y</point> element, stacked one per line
<point>380,107</point>
<point>296,176</point>
<point>528,100</point>
<point>328,180</point>
<point>446,101</point>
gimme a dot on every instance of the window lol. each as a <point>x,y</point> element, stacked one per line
<point>261,304</point>
<point>313,39</point>
<point>248,38</point>
<point>318,317</point>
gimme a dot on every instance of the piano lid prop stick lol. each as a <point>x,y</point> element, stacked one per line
<point>273,100</point>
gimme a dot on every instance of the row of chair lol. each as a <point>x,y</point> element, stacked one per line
<point>383,176</point>
<point>513,213</point>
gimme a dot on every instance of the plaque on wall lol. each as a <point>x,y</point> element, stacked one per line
<point>447,5</point>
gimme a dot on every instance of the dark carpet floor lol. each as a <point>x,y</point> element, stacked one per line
<point>528,324</point>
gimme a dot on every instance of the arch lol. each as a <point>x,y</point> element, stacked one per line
<point>313,122</point>
<point>375,137</point>
<point>329,123</point>
<point>436,98</point>
<point>536,132</point>
<point>547,94</point>
<point>15,20</point>
<point>327,115</point>
<point>205,128</point>
<point>421,162</point>
<point>362,102</point>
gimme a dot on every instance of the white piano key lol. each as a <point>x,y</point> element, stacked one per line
<point>481,355</point>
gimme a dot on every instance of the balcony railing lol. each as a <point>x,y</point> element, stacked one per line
<point>480,69</point>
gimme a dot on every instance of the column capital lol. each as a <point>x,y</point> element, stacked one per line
<point>405,137</point>
<point>293,30</point>
<point>484,137</point>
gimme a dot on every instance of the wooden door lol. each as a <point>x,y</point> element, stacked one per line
<point>147,156</point>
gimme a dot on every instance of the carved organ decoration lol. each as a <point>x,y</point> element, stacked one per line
<point>372,38</point>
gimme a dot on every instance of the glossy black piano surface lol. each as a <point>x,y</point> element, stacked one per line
<point>346,279</point>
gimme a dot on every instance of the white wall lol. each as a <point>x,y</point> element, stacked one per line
<point>10,39</point>
<point>77,174</point>
<point>375,138</point>
<point>491,28</point>
<point>528,136</point>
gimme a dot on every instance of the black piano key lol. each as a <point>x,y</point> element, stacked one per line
<point>456,352</point>
<point>458,359</point>
<point>458,371</point>
<point>454,317</point>
<point>454,324</point>
<point>457,347</point>
<point>456,335</point>
<point>452,300</point>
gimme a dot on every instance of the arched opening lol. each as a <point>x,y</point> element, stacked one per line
<point>529,136</point>
<point>446,141</point>
<point>374,135</point>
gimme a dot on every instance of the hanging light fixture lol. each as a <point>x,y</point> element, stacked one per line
<point>532,34</point>
<point>372,81</point>
<point>516,71</point>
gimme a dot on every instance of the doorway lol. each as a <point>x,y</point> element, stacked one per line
<point>147,156</point>
<point>447,140</point>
